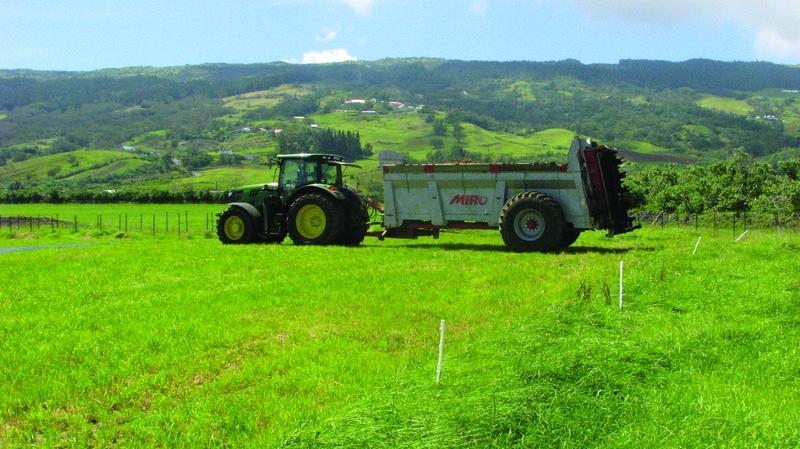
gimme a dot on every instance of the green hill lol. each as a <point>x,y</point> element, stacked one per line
<point>73,165</point>
<point>213,125</point>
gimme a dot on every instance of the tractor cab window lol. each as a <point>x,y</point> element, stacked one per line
<point>296,173</point>
<point>329,174</point>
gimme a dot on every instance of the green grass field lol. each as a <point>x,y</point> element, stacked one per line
<point>213,178</point>
<point>408,133</point>
<point>640,146</point>
<point>725,104</point>
<point>72,165</point>
<point>265,98</point>
<point>167,342</point>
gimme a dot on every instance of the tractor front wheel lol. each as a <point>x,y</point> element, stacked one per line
<point>315,219</point>
<point>532,221</point>
<point>235,226</point>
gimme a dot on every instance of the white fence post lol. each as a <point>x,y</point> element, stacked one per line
<point>621,266</point>
<point>441,350</point>
<point>696,245</point>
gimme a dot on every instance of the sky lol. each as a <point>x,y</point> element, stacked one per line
<point>93,34</point>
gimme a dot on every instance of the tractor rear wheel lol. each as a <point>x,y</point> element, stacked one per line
<point>235,226</point>
<point>357,227</point>
<point>355,235</point>
<point>315,219</point>
<point>570,235</point>
<point>532,221</point>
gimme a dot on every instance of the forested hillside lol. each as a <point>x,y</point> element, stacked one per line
<point>200,127</point>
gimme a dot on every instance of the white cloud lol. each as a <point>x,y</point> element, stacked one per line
<point>360,7</point>
<point>478,7</point>
<point>774,22</point>
<point>326,35</point>
<point>768,42</point>
<point>326,56</point>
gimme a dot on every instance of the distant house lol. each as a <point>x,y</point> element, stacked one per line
<point>791,91</point>
<point>127,148</point>
<point>176,162</point>
<point>314,125</point>
<point>355,101</point>
<point>277,131</point>
<point>369,112</point>
<point>299,117</point>
<point>395,104</point>
<point>226,152</point>
<point>245,130</point>
<point>249,157</point>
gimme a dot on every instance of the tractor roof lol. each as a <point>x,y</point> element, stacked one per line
<point>312,156</point>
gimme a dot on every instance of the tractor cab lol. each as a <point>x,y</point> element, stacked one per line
<point>298,170</point>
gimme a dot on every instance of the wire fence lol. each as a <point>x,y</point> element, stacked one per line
<point>720,220</point>
<point>179,223</point>
<point>188,222</point>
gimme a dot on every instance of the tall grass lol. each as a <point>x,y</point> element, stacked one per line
<point>176,343</point>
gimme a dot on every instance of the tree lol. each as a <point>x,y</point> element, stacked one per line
<point>790,168</point>
<point>458,132</point>
<point>440,127</point>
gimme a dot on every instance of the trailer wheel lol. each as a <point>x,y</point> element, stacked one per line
<point>532,221</point>
<point>235,225</point>
<point>315,219</point>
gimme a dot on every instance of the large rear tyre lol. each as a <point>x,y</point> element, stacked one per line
<point>236,226</point>
<point>570,235</point>
<point>532,221</point>
<point>315,219</point>
<point>355,235</point>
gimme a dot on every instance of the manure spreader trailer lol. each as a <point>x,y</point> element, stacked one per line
<point>536,207</point>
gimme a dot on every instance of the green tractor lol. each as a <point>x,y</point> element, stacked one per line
<point>310,202</point>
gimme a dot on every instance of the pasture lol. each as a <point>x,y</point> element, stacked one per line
<point>725,104</point>
<point>146,341</point>
<point>74,165</point>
